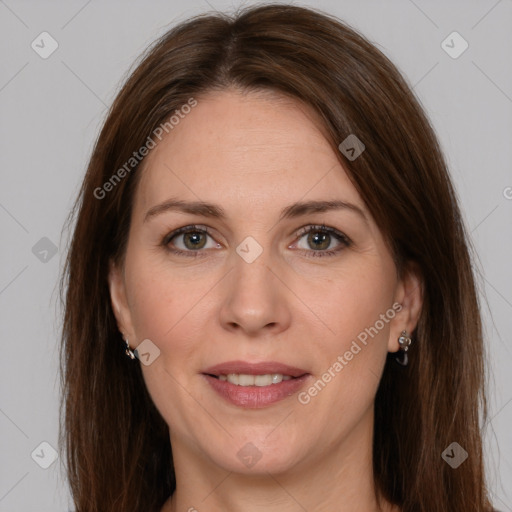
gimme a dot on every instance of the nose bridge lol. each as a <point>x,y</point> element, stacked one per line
<point>251,276</point>
<point>253,297</point>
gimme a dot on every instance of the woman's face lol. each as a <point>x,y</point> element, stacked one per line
<point>292,289</point>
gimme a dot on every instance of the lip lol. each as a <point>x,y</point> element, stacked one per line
<point>261,368</point>
<point>255,397</point>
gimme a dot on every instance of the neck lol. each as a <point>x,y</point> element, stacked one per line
<point>340,479</point>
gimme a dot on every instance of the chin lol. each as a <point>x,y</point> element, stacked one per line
<point>257,456</point>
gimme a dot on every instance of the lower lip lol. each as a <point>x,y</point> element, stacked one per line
<point>256,397</point>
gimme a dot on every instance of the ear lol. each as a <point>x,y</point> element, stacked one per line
<point>119,301</point>
<point>409,294</point>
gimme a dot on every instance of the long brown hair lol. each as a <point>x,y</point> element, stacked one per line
<point>118,450</point>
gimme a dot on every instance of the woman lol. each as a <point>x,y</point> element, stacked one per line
<point>270,302</point>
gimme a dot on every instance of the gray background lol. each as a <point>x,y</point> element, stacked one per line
<point>51,111</point>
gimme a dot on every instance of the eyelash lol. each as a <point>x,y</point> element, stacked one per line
<point>340,237</point>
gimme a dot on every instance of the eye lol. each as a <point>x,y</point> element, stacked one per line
<point>320,241</point>
<point>189,239</point>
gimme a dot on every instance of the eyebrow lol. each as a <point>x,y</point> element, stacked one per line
<point>211,210</point>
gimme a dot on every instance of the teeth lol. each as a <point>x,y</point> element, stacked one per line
<point>241,379</point>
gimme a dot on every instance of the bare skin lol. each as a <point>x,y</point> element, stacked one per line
<point>253,156</point>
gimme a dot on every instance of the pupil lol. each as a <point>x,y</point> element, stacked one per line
<point>193,240</point>
<point>320,240</point>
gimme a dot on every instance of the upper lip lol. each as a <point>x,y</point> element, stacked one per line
<point>262,368</point>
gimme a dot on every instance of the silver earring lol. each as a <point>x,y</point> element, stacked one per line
<point>129,351</point>
<point>404,340</point>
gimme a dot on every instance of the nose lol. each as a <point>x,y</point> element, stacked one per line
<point>254,300</point>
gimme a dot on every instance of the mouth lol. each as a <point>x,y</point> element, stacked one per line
<point>243,379</point>
<point>255,385</point>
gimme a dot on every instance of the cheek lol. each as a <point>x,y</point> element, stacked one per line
<point>357,309</point>
<point>169,308</point>
<point>352,299</point>
<point>156,301</point>
<point>153,304</point>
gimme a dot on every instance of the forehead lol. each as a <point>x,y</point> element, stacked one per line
<point>254,148</point>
